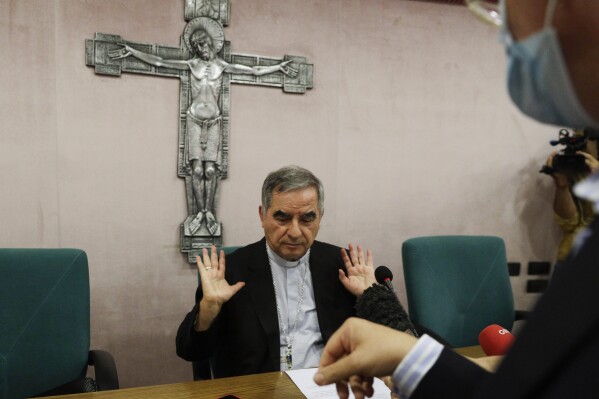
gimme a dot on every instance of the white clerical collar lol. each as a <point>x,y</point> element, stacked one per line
<point>279,261</point>
<point>588,189</point>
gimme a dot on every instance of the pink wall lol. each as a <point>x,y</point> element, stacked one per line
<point>408,125</point>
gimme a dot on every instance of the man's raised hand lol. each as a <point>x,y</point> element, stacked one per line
<point>216,290</point>
<point>360,270</point>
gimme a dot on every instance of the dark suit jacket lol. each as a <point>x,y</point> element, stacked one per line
<point>557,352</point>
<point>244,338</point>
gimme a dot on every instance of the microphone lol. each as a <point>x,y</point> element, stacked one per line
<point>384,276</point>
<point>495,340</point>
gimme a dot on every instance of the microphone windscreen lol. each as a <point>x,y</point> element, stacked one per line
<point>495,340</point>
<point>382,273</point>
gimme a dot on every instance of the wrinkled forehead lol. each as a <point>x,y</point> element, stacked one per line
<point>297,201</point>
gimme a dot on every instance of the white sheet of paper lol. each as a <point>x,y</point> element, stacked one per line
<point>304,379</point>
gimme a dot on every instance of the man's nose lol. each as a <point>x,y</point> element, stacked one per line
<point>294,229</point>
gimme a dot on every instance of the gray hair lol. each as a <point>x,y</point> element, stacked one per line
<point>290,178</point>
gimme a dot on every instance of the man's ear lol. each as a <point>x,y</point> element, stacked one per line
<point>261,215</point>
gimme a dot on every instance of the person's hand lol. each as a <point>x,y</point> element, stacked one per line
<point>364,349</point>
<point>360,271</point>
<point>589,161</point>
<point>216,290</point>
<point>122,52</point>
<point>361,387</point>
<point>388,380</point>
<point>287,70</point>
<point>212,276</point>
<point>560,179</point>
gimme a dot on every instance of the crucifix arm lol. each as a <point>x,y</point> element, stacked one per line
<point>151,59</point>
<point>262,70</point>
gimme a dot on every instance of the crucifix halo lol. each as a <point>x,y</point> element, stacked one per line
<point>210,26</point>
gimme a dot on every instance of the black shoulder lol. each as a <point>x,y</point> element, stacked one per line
<point>248,250</point>
<point>324,247</point>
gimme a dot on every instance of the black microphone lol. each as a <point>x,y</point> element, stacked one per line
<point>384,276</point>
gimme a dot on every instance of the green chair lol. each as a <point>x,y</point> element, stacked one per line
<point>202,369</point>
<point>458,285</point>
<point>45,325</point>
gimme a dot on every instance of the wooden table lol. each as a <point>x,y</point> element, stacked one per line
<point>268,385</point>
<point>471,351</point>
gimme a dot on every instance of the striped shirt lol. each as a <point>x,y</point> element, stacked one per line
<point>415,365</point>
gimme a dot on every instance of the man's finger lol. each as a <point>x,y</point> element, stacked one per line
<point>214,257</point>
<point>369,258</point>
<point>342,390</point>
<point>359,386</point>
<point>221,261</point>
<point>367,386</point>
<point>341,369</point>
<point>343,278</point>
<point>352,254</point>
<point>345,258</point>
<point>237,287</point>
<point>200,265</point>
<point>205,260</point>
<point>360,254</point>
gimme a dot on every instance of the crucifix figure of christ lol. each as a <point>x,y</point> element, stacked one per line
<point>203,149</point>
<point>206,68</point>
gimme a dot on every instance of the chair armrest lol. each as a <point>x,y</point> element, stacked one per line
<point>521,314</point>
<point>105,370</point>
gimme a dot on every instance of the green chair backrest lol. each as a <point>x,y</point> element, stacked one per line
<point>229,250</point>
<point>458,285</point>
<point>44,319</point>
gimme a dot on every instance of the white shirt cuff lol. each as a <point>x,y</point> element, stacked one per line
<point>415,365</point>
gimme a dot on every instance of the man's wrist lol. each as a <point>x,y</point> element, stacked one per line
<point>415,365</point>
<point>207,312</point>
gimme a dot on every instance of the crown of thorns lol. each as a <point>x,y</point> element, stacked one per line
<point>212,28</point>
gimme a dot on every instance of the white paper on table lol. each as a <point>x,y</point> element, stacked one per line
<point>304,379</point>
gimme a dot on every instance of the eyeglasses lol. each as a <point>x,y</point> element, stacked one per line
<point>486,10</point>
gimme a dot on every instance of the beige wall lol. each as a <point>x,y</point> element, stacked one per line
<point>408,125</point>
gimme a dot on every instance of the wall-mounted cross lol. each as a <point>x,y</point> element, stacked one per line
<point>205,66</point>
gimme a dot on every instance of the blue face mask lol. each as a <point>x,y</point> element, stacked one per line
<point>537,77</point>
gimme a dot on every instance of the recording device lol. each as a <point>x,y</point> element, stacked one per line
<point>567,161</point>
<point>384,276</point>
<point>495,340</point>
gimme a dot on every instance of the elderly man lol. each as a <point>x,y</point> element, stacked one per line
<point>553,56</point>
<point>279,299</point>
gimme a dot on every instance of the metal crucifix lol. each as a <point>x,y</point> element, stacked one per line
<point>205,66</point>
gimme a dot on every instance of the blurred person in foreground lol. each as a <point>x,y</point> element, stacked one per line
<point>553,57</point>
<point>568,167</point>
